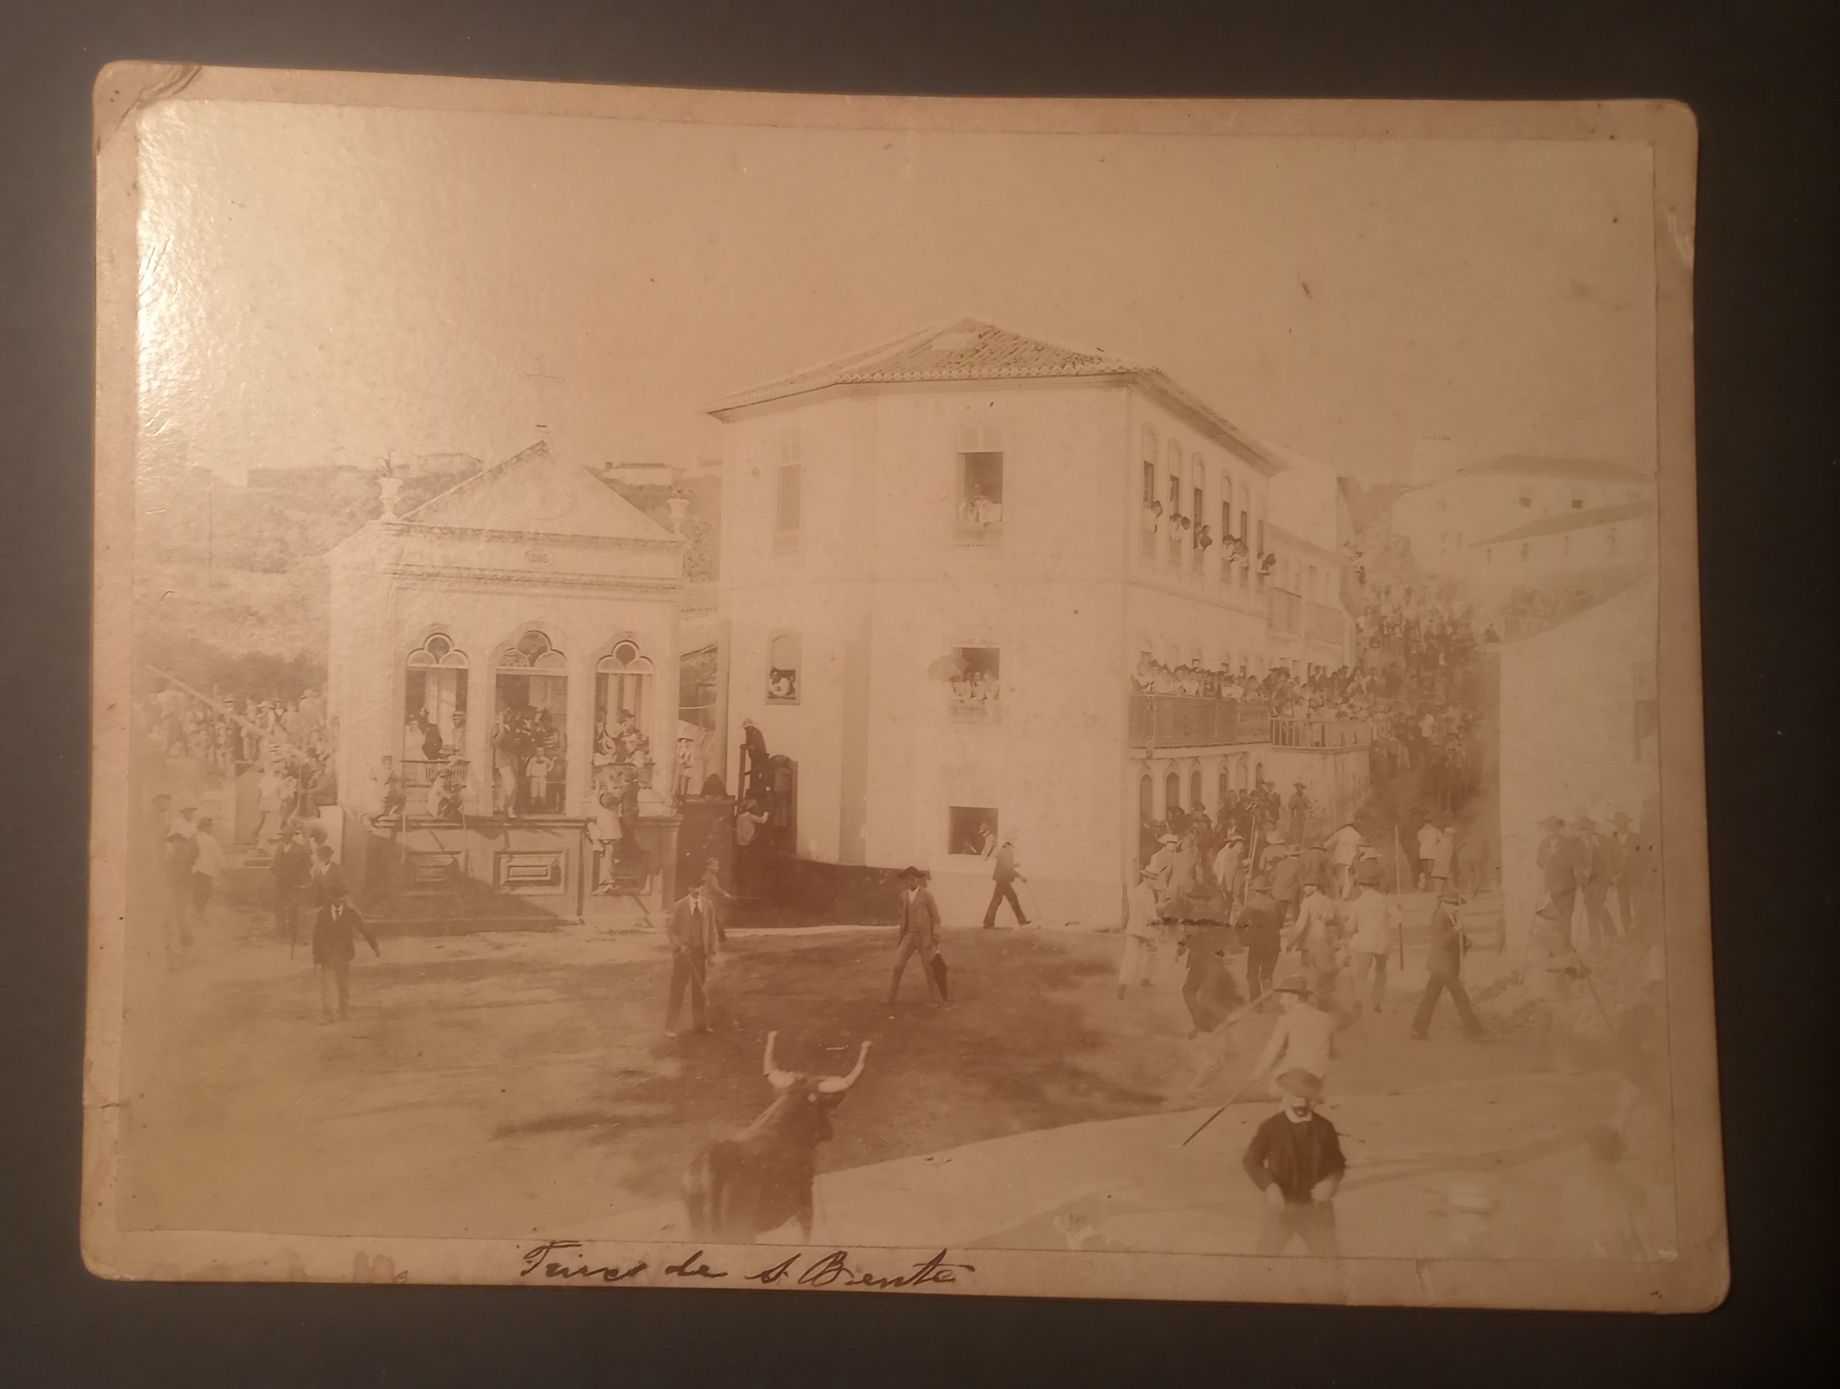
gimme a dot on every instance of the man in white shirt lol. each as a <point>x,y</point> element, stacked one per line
<point>1442,852</point>
<point>1428,835</point>
<point>1373,935</point>
<point>1315,936</point>
<point>1141,934</point>
<point>1344,848</point>
<point>206,867</point>
<point>1227,864</point>
<point>1303,1038</point>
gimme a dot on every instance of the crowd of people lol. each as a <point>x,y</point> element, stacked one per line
<point>974,692</point>
<point>231,734</point>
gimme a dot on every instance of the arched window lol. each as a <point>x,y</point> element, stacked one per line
<point>529,738</point>
<point>1194,789</point>
<point>1172,794</point>
<point>625,686</point>
<point>434,710</point>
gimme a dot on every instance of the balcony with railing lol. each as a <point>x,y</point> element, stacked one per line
<point>1195,721</point>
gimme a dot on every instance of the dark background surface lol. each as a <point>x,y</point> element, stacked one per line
<point>1760,78</point>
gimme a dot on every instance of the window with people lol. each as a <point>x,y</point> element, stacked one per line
<point>1176,523</point>
<point>971,830</point>
<point>625,683</point>
<point>783,660</point>
<point>974,687</point>
<point>1152,516</point>
<point>434,708</point>
<point>979,486</point>
<point>529,741</point>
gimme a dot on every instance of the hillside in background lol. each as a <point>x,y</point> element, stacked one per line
<point>231,581</point>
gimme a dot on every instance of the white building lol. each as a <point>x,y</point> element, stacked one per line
<point>942,557</point>
<point>1573,744</point>
<point>1571,545</point>
<point>530,584</point>
<point>1452,520</point>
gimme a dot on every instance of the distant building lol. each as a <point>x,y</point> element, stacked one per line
<point>640,474</point>
<point>1311,596</point>
<point>1571,545</point>
<point>1487,522</point>
<point>941,560</point>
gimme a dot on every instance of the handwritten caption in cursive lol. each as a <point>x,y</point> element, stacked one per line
<point>560,1261</point>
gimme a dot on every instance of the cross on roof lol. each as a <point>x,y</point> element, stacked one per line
<point>544,380</point>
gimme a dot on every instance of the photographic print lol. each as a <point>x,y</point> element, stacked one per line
<point>1082,698</point>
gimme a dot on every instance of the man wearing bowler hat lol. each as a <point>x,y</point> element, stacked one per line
<point>1295,1159</point>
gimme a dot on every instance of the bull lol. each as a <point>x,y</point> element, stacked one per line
<point>738,1188</point>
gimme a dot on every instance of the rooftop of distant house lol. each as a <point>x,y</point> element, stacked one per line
<point>1572,521</point>
<point>1534,465</point>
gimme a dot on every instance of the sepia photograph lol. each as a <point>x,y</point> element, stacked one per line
<point>1082,698</point>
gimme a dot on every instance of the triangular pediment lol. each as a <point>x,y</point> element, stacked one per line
<point>537,492</point>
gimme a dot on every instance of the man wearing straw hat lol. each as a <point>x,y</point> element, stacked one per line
<point>1303,1037</point>
<point>1373,933</point>
<point>1295,1159</point>
<point>1161,867</point>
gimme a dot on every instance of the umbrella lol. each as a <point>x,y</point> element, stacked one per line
<point>937,965</point>
<point>948,667</point>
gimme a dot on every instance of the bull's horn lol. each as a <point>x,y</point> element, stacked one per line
<point>777,1078</point>
<point>831,1085</point>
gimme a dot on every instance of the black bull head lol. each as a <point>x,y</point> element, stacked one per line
<point>738,1188</point>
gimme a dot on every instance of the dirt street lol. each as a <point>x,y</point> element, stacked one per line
<point>509,1084</point>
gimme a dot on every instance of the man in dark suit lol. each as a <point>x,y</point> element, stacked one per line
<point>293,873</point>
<point>919,934</point>
<point>1597,859</point>
<point>1443,966</point>
<point>1005,876</point>
<point>1559,867</point>
<point>333,927</point>
<point>690,930</point>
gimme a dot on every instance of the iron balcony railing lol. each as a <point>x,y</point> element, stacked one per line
<point>1192,721</point>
